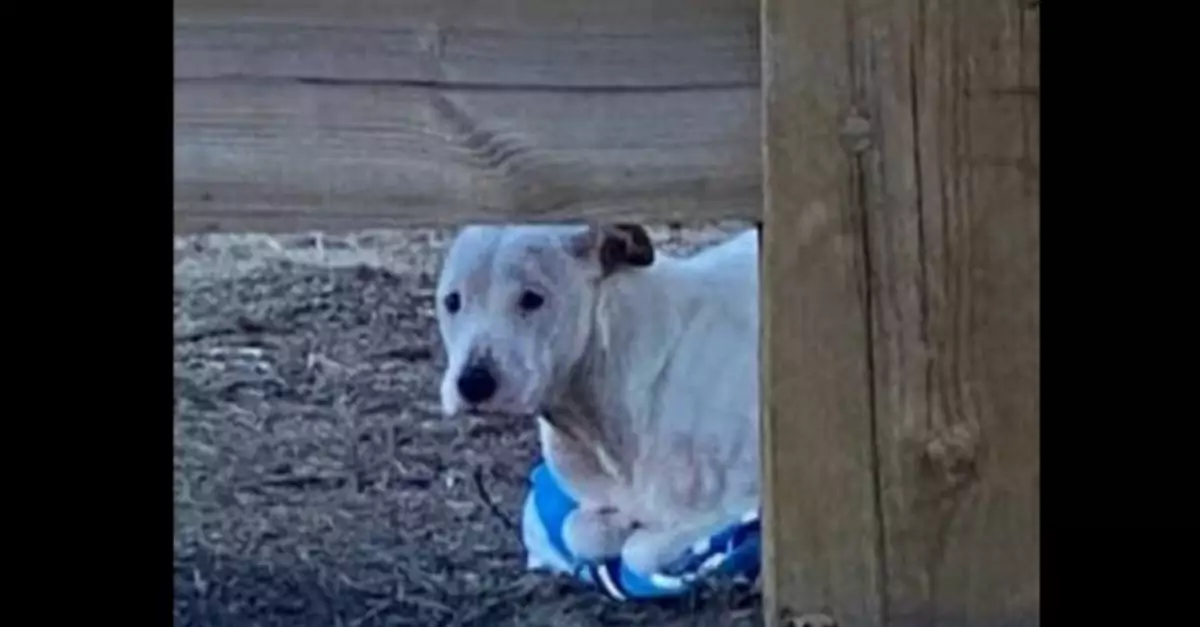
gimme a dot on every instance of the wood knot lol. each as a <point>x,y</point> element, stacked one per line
<point>953,452</point>
<point>856,132</point>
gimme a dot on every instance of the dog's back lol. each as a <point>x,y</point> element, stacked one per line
<point>708,403</point>
<point>730,269</point>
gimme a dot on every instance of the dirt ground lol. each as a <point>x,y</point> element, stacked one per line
<point>316,482</point>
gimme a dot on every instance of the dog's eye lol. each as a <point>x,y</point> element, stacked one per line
<point>530,301</point>
<point>452,302</point>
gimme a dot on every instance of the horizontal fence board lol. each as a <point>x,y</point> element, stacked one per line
<point>358,113</point>
<point>280,155</point>
<point>547,43</point>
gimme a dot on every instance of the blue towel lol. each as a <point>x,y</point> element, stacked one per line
<point>733,552</point>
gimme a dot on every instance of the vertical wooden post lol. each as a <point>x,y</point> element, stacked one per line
<point>900,330</point>
<point>821,552</point>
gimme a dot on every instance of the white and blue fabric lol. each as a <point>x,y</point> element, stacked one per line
<point>733,552</point>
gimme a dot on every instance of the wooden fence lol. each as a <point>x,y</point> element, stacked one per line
<point>349,113</point>
<point>892,155</point>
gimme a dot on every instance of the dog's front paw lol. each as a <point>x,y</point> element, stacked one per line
<point>595,535</point>
<point>648,553</point>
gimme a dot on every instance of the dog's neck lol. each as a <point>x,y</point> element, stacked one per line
<point>607,400</point>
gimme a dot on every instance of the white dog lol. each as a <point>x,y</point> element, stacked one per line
<point>641,368</point>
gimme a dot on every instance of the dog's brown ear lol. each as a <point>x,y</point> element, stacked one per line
<point>614,246</point>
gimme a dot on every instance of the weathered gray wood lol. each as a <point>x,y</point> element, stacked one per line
<point>954,215</point>
<point>273,155</point>
<point>550,43</point>
<point>370,113</point>
<point>820,522</point>
<point>934,109</point>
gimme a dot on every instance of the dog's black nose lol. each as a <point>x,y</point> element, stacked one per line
<point>476,384</point>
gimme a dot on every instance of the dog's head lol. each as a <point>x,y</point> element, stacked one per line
<point>515,307</point>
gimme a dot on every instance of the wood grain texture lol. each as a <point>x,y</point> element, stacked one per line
<point>938,107</point>
<point>547,43</point>
<point>268,156</point>
<point>820,513</point>
<point>372,113</point>
<point>954,247</point>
